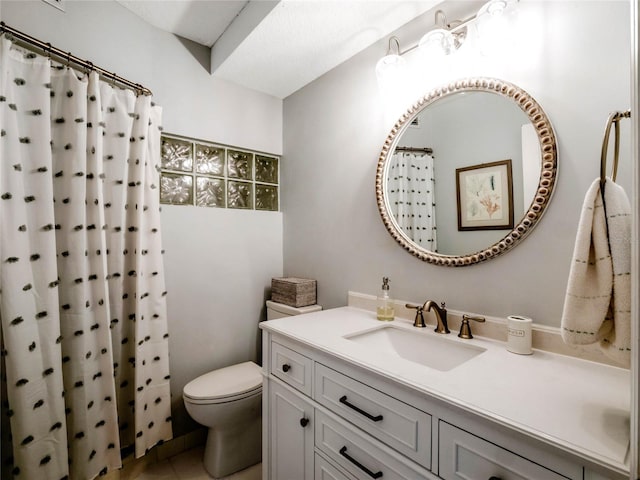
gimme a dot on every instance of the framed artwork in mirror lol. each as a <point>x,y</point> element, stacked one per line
<point>484,196</point>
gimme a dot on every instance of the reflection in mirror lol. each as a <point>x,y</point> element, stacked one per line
<point>410,183</point>
<point>460,166</point>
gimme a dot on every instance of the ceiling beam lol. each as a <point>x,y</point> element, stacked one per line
<point>247,20</point>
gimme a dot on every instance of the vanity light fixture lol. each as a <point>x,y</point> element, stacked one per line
<point>448,37</point>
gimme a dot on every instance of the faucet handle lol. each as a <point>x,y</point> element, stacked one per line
<point>419,320</point>
<point>465,328</point>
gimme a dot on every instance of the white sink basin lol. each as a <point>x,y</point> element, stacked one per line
<point>417,346</point>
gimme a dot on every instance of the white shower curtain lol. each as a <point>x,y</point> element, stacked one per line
<point>82,298</point>
<point>411,187</point>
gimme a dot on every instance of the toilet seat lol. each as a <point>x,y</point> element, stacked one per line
<point>226,384</point>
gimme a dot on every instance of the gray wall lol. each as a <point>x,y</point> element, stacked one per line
<point>218,263</point>
<point>575,66</point>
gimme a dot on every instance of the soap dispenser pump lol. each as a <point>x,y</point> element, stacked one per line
<point>385,310</point>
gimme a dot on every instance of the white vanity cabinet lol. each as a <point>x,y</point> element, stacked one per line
<point>328,418</point>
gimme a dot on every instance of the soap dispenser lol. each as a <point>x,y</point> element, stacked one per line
<point>385,310</point>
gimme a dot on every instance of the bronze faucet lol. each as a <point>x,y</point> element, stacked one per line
<point>441,315</point>
<point>439,311</point>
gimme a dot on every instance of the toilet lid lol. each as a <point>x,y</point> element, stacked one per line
<point>225,382</point>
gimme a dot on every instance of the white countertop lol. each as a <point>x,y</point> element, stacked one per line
<point>581,406</point>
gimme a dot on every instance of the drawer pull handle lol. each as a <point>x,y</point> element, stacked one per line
<point>286,367</point>
<point>343,452</point>
<point>343,400</point>
<point>304,422</point>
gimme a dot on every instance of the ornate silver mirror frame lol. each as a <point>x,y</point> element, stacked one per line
<point>548,170</point>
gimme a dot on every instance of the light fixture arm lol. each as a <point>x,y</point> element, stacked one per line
<point>441,19</point>
<point>395,40</point>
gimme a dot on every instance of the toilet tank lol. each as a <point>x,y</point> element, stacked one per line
<point>279,310</point>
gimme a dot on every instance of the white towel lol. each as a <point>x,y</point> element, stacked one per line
<point>597,304</point>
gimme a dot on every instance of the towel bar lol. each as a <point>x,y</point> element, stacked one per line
<point>614,119</point>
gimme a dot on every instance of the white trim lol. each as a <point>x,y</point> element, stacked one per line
<point>635,240</point>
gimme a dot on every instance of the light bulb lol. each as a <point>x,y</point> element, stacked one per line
<point>493,8</point>
<point>437,42</point>
<point>492,26</point>
<point>390,71</point>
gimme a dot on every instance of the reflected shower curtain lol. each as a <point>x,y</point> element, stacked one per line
<point>412,196</point>
<point>82,298</point>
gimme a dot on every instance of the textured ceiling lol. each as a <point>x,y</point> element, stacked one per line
<point>277,47</point>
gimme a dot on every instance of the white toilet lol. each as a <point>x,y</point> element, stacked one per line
<point>279,310</point>
<point>229,402</point>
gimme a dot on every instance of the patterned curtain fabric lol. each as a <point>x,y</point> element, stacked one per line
<point>82,299</point>
<point>411,187</point>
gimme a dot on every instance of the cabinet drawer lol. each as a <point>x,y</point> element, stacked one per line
<point>325,471</point>
<point>401,426</point>
<point>465,456</point>
<point>291,367</point>
<point>360,455</point>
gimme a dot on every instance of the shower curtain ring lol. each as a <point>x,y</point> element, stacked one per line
<point>47,51</point>
<point>68,59</point>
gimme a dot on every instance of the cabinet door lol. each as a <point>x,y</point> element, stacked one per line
<point>290,434</point>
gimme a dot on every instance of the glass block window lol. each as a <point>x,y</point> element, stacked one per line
<point>209,159</point>
<point>176,189</point>
<point>240,195</point>
<point>266,169</point>
<point>204,174</point>
<point>240,164</point>
<point>210,192</point>
<point>266,197</point>
<point>177,155</point>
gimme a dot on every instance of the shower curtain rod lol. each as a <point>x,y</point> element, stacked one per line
<point>68,58</point>
<point>426,150</point>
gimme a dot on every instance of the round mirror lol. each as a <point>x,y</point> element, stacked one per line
<point>466,172</point>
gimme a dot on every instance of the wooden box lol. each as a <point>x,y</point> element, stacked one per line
<point>292,291</point>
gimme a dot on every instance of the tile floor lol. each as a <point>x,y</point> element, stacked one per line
<point>188,466</point>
